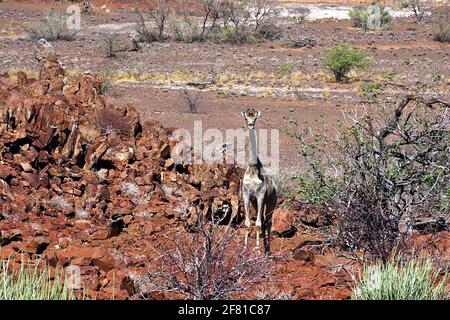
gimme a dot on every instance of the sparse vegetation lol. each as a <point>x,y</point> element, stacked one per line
<point>207,265</point>
<point>106,86</point>
<point>443,32</point>
<point>53,26</point>
<point>111,44</point>
<point>145,33</point>
<point>160,15</point>
<point>285,69</point>
<point>187,33</point>
<point>419,7</point>
<point>32,282</point>
<point>386,171</point>
<point>342,59</point>
<point>414,279</point>
<point>237,22</point>
<point>269,31</point>
<point>111,121</point>
<point>370,18</point>
<point>191,100</point>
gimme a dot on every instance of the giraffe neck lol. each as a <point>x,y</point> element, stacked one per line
<point>253,156</point>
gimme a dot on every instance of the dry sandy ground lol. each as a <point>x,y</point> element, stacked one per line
<point>230,78</point>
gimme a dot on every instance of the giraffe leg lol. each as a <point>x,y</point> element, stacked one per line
<point>259,212</point>
<point>247,218</point>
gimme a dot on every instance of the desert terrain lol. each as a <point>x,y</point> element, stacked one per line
<point>108,210</point>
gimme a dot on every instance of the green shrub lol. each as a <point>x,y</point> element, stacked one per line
<point>389,75</point>
<point>398,280</point>
<point>360,18</point>
<point>111,44</point>
<point>443,32</point>
<point>32,283</point>
<point>269,31</point>
<point>341,60</point>
<point>231,34</point>
<point>53,26</point>
<point>187,33</point>
<point>372,165</point>
<point>312,190</point>
<point>285,69</point>
<point>371,89</point>
<point>404,3</point>
<point>146,33</point>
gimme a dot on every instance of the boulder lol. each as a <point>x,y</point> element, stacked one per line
<point>283,223</point>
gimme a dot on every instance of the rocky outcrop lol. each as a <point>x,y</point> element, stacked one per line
<point>77,171</point>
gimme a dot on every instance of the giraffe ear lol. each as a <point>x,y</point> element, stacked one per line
<point>258,114</point>
<point>243,114</point>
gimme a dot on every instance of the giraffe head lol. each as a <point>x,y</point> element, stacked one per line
<point>250,116</point>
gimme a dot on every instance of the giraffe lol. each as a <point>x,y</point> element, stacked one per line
<point>257,188</point>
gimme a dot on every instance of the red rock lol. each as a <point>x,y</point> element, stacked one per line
<point>6,171</point>
<point>105,263</point>
<point>283,222</point>
<point>101,234</point>
<point>35,246</point>
<point>6,253</point>
<point>104,282</point>
<point>113,294</point>
<point>51,130</point>
<point>32,179</point>
<point>26,167</point>
<point>305,294</point>
<point>81,261</point>
<point>8,236</point>
<point>91,282</point>
<point>303,255</point>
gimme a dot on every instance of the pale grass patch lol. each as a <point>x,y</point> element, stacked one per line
<point>323,76</point>
<point>31,73</point>
<point>74,72</point>
<point>326,93</point>
<point>130,76</point>
<point>8,34</point>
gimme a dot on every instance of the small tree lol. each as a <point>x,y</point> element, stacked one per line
<point>208,265</point>
<point>261,10</point>
<point>341,60</point>
<point>384,171</point>
<point>236,15</point>
<point>191,100</point>
<point>419,7</point>
<point>211,9</point>
<point>53,26</point>
<point>111,45</point>
<point>160,16</point>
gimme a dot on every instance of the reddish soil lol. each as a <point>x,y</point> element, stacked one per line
<point>116,237</point>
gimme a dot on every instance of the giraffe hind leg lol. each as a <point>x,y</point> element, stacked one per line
<point>247,218</point>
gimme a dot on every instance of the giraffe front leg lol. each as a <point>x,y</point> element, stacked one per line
<point>259,213</point>
<point>247,217</point>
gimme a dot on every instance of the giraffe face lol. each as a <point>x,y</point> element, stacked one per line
<point>250,116</point>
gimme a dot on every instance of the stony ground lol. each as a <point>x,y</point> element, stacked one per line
<point>113,237</point>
